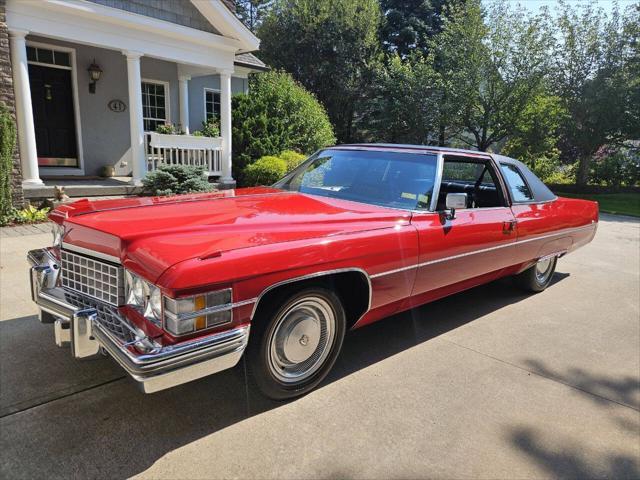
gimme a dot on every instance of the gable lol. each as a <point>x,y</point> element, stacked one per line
<point>179,12</point>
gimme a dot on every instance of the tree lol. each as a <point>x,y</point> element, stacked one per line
<point>252,12</point>
<point>329,46</point>
<point>277,114</point>
<point>631,35</point>
<point>408,25</point>
<point>593,74</point>
<point>489,69</point>
<point>404,102</point>
<point>535,138</point>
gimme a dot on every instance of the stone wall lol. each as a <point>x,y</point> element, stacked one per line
<point>7,97</point>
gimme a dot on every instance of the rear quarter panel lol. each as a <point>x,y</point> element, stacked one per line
<point>561,225</point>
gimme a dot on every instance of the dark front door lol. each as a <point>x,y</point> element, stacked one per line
<point>53,116</point>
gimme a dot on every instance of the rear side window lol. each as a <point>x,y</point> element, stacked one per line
<point>520,191</point>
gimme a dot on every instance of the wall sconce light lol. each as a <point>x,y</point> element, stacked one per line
<point>94,74</point>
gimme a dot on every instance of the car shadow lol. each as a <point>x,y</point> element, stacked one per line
<point>104,430</point>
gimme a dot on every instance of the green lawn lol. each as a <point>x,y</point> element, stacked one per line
<point>620,203</point>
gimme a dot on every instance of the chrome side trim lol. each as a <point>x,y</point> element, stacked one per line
<point>244,302</point>
<point>316,275</point>
<point>483,250</point>
<point>558,254</point>
<point>91,253</point>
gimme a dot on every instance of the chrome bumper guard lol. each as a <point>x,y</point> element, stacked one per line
<point>158,367</point>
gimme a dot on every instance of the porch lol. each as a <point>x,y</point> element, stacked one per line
<point>141,72</point>
<point>80,187</point>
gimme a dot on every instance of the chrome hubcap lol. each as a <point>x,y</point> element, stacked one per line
<point>301,339</point>
<point>543,269</point>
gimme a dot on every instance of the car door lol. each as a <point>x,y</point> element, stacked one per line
<point>475,245</point>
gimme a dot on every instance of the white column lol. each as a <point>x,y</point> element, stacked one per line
<point>138,156</point>
<point>183,83</point>
<point>225,125</point>
<point>24,110</point>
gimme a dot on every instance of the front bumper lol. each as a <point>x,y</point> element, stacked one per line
<point>152,366</point>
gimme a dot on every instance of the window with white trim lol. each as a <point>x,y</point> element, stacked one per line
<point>211,104</point>
<point>155,105</point>
<point>48,56</point>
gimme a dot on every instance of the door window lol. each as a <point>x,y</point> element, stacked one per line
<point>476,178</point>
<point>155,105</point>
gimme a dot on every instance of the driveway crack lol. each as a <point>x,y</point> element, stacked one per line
<point>46,402</point>
<point>541,375</point>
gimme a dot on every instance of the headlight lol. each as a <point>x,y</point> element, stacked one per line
<point>146,298</point>
<point>154,305</point>
<point>136,290</point>
<point>57,231</point>
<point>191,314</point>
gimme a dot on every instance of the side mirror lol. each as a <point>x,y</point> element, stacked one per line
<point>455,201</point>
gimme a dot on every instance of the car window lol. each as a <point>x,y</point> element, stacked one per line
<point>520,191</point>
<point>392,179</point>
<point>475,178</point>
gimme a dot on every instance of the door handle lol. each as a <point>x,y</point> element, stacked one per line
<point>509,226</point>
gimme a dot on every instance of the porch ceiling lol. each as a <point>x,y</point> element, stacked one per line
<point>92,24</point>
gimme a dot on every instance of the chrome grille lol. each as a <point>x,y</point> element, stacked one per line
<point>100,280</point>
<point>108,316</point>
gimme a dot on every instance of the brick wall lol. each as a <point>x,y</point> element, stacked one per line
<point>7,96</point>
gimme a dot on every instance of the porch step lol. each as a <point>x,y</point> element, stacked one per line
<point>80,191</point>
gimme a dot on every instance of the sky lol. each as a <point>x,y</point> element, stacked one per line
<point>606,5</point>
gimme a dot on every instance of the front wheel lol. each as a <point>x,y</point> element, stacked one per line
<point>295,342</point>
<point>538,277</point>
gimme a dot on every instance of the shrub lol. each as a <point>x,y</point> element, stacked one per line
<point>175,180</point>
<point>615,168</point>
<point>7,145</point>
<point>8,216</point>
<point>292,159</point>
<point>32,214</point>
<point>265,171</point>
<point>277,114</point>
<point>166,129</point>
<point>210,128</point>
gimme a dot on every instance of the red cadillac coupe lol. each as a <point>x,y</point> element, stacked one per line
<point>176,288</point>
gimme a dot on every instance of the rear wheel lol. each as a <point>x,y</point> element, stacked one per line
<point>538,277</point>
<point>295,341</point>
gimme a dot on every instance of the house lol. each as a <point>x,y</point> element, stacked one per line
<point>90,80</point>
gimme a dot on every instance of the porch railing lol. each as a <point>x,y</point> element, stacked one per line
<point>202,152</point>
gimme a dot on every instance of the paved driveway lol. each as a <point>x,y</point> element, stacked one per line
<point>489,383</point>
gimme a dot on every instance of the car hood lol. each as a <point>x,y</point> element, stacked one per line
<point>149,235</point>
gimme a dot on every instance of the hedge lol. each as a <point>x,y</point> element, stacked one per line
<point>277,114</point>
<point>264,171</point>
<point>7,146</point>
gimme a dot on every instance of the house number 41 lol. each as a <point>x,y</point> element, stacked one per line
<point>117,106</point>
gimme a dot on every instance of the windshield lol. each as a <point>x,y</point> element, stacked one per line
<point>390,179</point>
